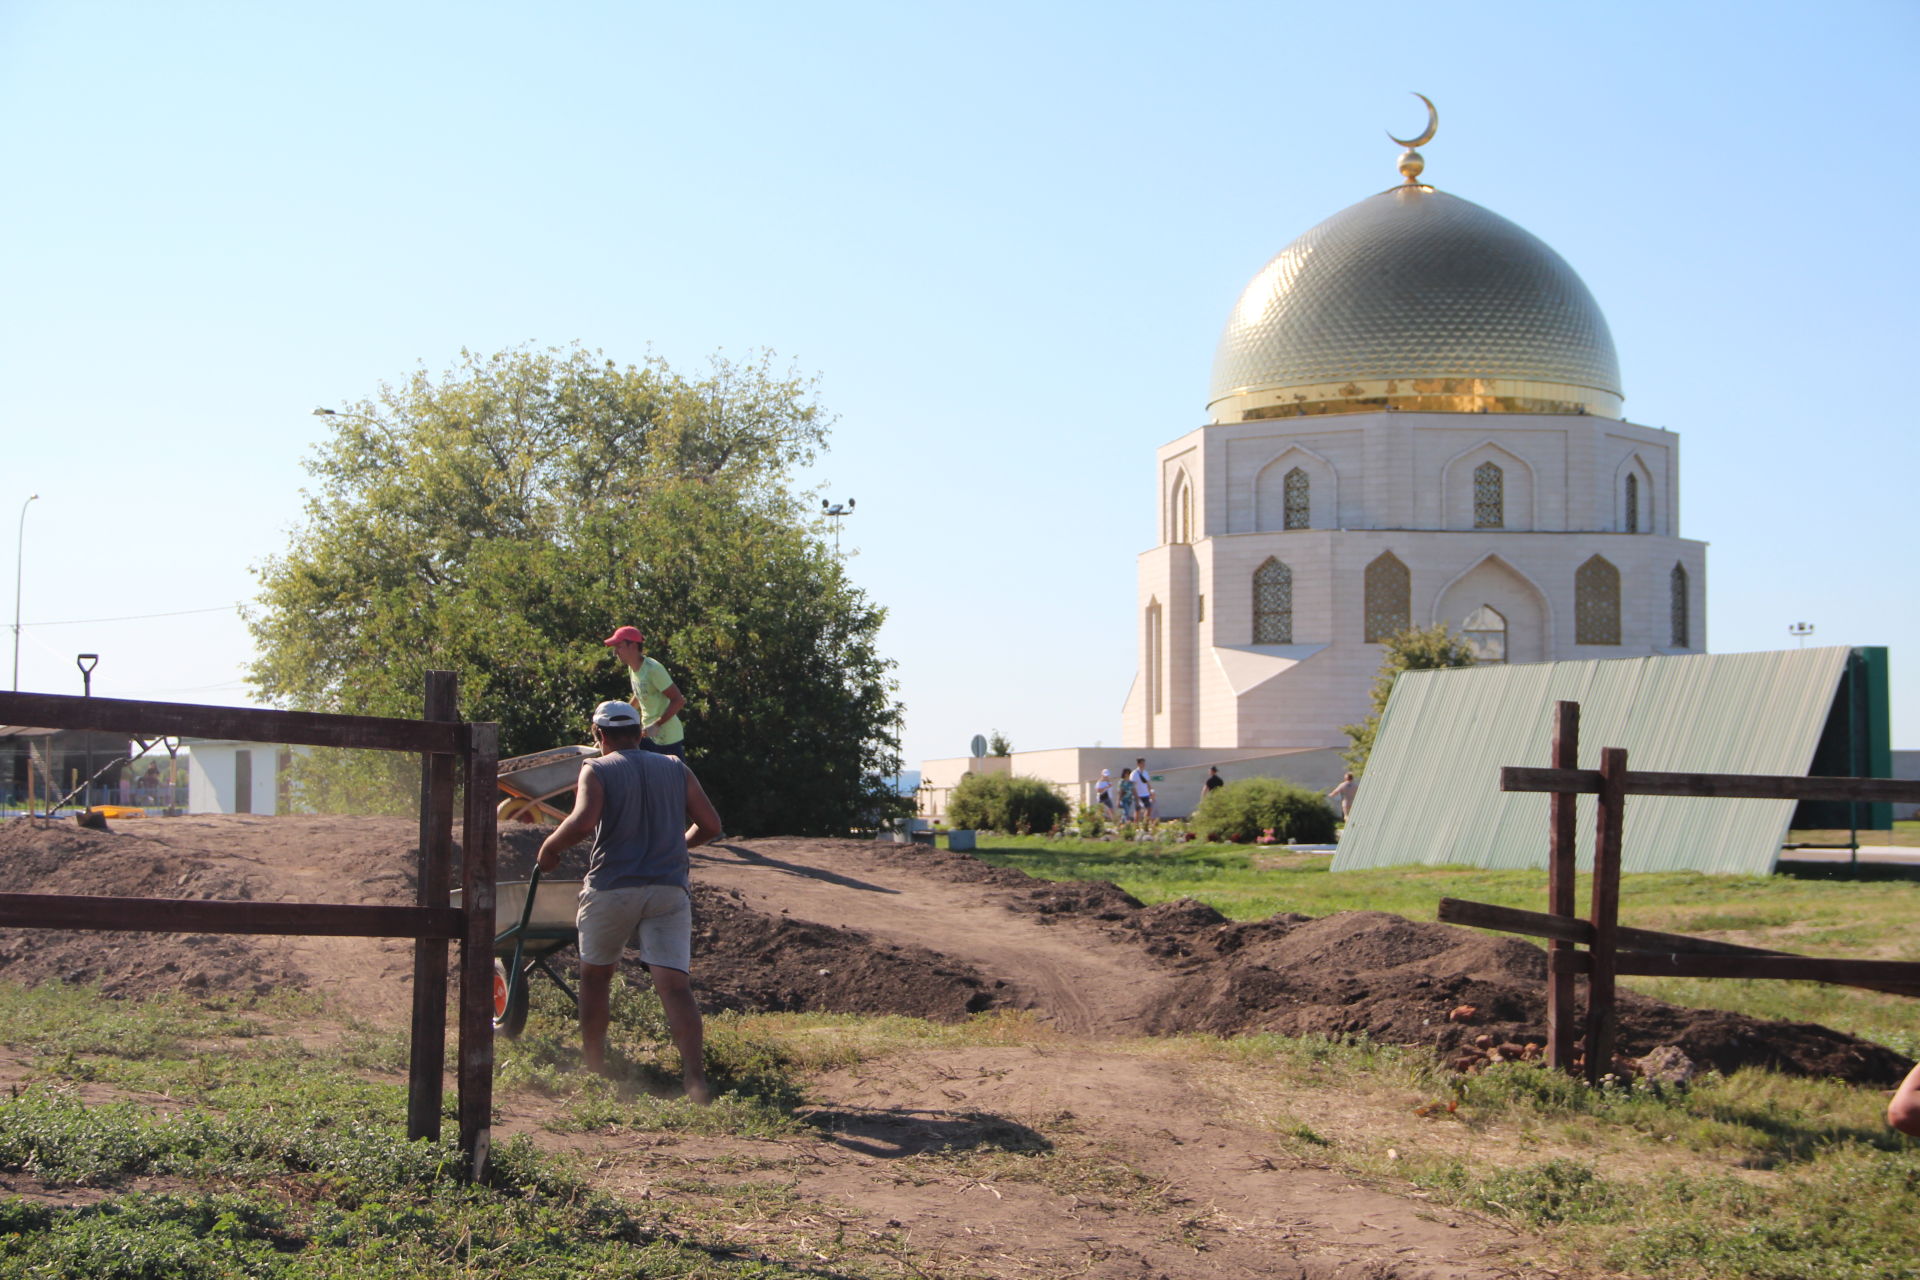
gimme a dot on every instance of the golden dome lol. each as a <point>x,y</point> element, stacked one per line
<point>1415,299</point>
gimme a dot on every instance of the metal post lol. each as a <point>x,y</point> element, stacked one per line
<point>87,662</point>
<point>19,560</point>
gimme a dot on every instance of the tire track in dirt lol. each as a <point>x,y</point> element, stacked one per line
<point>1071,970</point>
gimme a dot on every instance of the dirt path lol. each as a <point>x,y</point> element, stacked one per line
<point>1070,970</point>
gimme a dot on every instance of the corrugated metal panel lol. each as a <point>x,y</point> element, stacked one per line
<point>1431,793</point>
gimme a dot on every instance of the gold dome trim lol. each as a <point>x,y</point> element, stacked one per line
<point>1416,395</point>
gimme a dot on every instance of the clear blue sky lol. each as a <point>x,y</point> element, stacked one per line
<point>1005,236</point>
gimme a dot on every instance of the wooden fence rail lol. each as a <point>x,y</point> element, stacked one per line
<point>1611,949</point>
<point>451,751</point>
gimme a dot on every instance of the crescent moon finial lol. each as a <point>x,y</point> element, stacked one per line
<point>1433,126</point>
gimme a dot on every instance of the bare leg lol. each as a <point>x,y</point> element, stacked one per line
<point>596,997</point>
<point>683,1020</point>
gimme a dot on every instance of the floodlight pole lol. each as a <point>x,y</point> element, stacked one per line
<point>836,512</point>
<point>19,560</point>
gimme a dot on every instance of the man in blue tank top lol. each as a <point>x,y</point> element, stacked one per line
<point>636,805</point>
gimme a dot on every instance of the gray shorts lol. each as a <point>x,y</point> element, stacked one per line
<point>662,913</point>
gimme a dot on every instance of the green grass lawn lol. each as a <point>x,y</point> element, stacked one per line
<point>1867,913</point>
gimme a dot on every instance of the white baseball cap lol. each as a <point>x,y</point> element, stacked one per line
<point>616,715</point>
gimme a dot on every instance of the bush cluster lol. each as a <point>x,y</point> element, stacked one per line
<point>1245,809</point>
<point>1000,802</point>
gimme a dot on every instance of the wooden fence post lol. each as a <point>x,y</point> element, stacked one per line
<point>1606,911</point>
<point>427,1061</point>
<point>1561,861</point>
<point>479,845</point>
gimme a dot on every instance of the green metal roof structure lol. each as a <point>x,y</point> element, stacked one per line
<point>1431,792</point>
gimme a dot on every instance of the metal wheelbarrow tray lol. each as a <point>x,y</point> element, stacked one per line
<point>528,782</point>
<point>532,921</point>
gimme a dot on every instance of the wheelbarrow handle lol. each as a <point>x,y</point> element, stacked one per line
<point>520,931</point>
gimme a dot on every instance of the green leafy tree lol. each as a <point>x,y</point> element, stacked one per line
<point>997,745</point>
<point>1415,649</point>
<point>501,520</point>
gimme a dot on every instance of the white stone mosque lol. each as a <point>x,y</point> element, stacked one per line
<point>1415,418</point>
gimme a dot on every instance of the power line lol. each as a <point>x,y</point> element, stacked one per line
<point>134,617</point>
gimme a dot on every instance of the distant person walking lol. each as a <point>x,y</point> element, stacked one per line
<point>1103,793</point>
<point>1344,793</point>
<point>1126,794</point>
<point>1143,791</point>
<point>657,697</point>
<point>636,804</point>
<point>1214,781</point>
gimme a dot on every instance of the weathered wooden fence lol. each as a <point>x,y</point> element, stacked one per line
<point>451,751</point>
<point>1611,950</point>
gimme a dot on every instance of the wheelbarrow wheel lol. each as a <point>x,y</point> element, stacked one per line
<point>509,1000</point>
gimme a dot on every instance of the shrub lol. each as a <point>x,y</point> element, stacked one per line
<point>1092,819</point>
<point>998,802</point>
<point>1242,810</point>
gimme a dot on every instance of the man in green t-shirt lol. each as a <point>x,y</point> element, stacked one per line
<point>657,697</point>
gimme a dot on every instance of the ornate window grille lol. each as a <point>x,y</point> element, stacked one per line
<point>1485,632</point>
<point>1389,590</point>
<point>1596,603</point>
<point>1489,497</point>
<point>1299,504</point>
<point>1678,581</point>
<point>1633,503</point>
<point>1273,603</point>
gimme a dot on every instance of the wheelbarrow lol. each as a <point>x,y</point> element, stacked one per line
<point>529,783</point>
<point>535,921</point>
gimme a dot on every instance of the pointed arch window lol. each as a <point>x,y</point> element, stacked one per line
<point>1389,595</point>
<point>1678,629</point>
<point>1182,511</point>
<point>1489,496</point>
<point>1156,701</point>
<point>1633,503</point>
<point>1273,603</point>
<point>1596,602</point>
<point>1485,632</point>
<point>1299,500</point>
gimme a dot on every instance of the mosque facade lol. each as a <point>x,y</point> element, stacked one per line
<point>1415,418</point>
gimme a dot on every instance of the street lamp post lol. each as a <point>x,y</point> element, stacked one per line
<point>87,662</point>
<point>19,559</point>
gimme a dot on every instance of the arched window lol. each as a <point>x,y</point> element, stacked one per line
<point>1485,632</point>
<point>1299,503</point>
<point>1389,590</point>
<point>1273,603</point>
<point>1489,496</point>
<point>1182,511</point>
<point>1596,603</point>
<point>1633,503</point>
<point>1678,586</point>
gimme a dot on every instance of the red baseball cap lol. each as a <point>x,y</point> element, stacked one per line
<point>625,635</point>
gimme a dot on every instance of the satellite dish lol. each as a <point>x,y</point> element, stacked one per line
<point>979,745</point>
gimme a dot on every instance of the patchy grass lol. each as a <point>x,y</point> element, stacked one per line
<point>291,1161</point>
<point>1749,1177</point>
